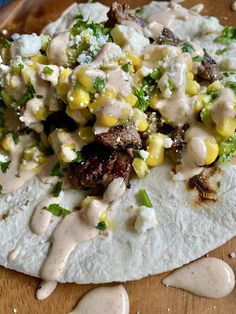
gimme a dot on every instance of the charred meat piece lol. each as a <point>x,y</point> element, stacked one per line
<point>178,144</point>
<point>208,70</point>
<point>119,13</point>
<point>167,37</point>
<point>120,137</point>
<point>99,168</point>
<point>156,124</point>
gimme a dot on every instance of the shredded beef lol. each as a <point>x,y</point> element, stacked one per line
<point>167,37</point>
<point>119,13</point>
<point>178,143</point>
<point>208,70</point>
<point>120,137</point>
<point>99,168</point>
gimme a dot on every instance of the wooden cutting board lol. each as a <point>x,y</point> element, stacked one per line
<point>147,296</point>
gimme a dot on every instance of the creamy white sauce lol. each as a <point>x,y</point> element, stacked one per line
<point>14,179</point>
<point>57,48</point>
<point>104,300</point>
<point>45,289</point>
<point>167,17</point>
<point>233,5</point>
<point>119,81</point>
<point>208,277</point>
<point>44,173</point>
<point>108,55</point>
<point>29,116</point>
<point>41,218</point>
<point>13,254</point>
<point>115,190</point>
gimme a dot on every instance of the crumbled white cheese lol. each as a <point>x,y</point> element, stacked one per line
<point>145,71</point>
<point>15,36</point>
<point>146,219</point>
<point>198,8</point>
<point>4,158</point>
<point>167,142</point>
<point>210,25</point>
<point>26,46</point>
<point>178,177</point>
<point>232,255</point>
<point>4,32</point>
<point>144,154</point>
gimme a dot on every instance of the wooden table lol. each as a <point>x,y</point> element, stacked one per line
<point>147,296</point>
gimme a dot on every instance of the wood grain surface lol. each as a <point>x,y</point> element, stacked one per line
<point>147,296</point>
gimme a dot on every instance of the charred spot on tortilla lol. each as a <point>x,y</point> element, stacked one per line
<point>4,215</point>
<point>203,184</point>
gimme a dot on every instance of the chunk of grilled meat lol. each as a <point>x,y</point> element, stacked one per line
<point>208,70</point>
<point>167,37</point>
<point>156,124</point>
<point>119,13</point>
<point>120,138</point>
<point>178,144</point>
<point>99,168</point>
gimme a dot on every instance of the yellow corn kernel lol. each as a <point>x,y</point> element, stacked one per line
<point>135,60</point>
<point>41,114</point>
<point>143,125</point>
<point>96,104</point>
<point>190,64</point>
<point>212,152</point>
<point>192,88</point>
<point>108,121</point>
<point>214,87</point>
<point>40,59</point>
<point>227,129</point>
<point>131,99</point>
<point>7,142</point>
<point>84,79</point>
<point>68,152</point>
<point>201,101</point>
<point>140,120</point>
<point>63,82</point>
<point>86,134</point>
<point>81,116</point>
<point>87,200</point>
<point>110,93</point>
<point>155,148</point>
<point>190,76</point>
<point>153,101</point>
<point>140,167</point>
<point>6,98</point>
<point>78,99</point>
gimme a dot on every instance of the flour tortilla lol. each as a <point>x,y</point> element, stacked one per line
<point>185,231</point>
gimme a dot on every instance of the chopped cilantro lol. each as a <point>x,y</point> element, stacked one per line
<point>47,151</point>
<point>231,85</point>
<point>97,28</point>
<point>171,84</point>
<point>47,70</point>
<point>227,35</point>
<point>227,149</point>
<point>20,66</point>
<point>197,59</point>
<point>56,189</point>
<point>5,43</point>
<point>218,183</point>
<point>125,67</point>
<point>142,98</point>
<point>16,137</point>
<point>221,51</point>
<point>57,210</point>
<point>79,157</point>
<point>57,171</point>
<point>164,40</point>
<point>101,225</point>
<point>186,46</point>
<point>227,74</point>
<point>157,73</point>
<point>139,10</point>
<point>0,189</point>
<point>39,96</point>
<point>144,199</point>
<point>4,166</point>
<point>99,84</point>
<point>29,94</point>
<point>17,174</point>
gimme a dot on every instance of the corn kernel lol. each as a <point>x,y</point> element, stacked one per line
<point>131,99</point>
<point>140,167</point>
<point>68,152</point>
<point>81,116</point>
<point>87,200</point>
<point>212,152</point>
<point>192,88</point>
<point>143,125</point>
<point>6,98</point>
<point>110,93</point>
<point>40,59</point>
<point>135,60</point>
<point>108,121</point>
<point>190,76</point>
<point>155,148</point>
<point>63,82</point>
<point>140,120</point>
<point>86,134</point>
<point>227,129</point>
<point>201,101</point>
<point>84,79</point>
<point>41,114</point>
<point>8,142</point>
<point>93,107</point>
<point>78,99</point>
<point>153,101</point>
<point>214,87</point>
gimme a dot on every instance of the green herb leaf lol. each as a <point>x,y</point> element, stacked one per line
<point>97,28</point>
<point>227,35</point>
<point>187,47</point>
<point>56,189</point>
<point>39,96</point>
<point>1,189</point>
<point>47,70</point>
<point>221,51</point>
<point>171,84</point>
<point>144,198</point>
<point>227,74</point>
<point>218,183</point>
<point>101,225</point>
<point>125,67</point>
<point>47,151</point>
<point>20,66</point>
<point>142,98</point>
<point>17,175</point>
<point>29,94</point>
<point>16,137</point>
<point>99,84</point>
<point>4,166</point>
<point>139,10</point>
<point>57,171</point>
<point>197,59</point>
<point>5,43</point>
<point>79,157</point>
<point>57,210</point>
<point>227,149</point>
<point>231,85</point>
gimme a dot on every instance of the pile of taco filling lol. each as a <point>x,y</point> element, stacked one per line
<point>111,100</point>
